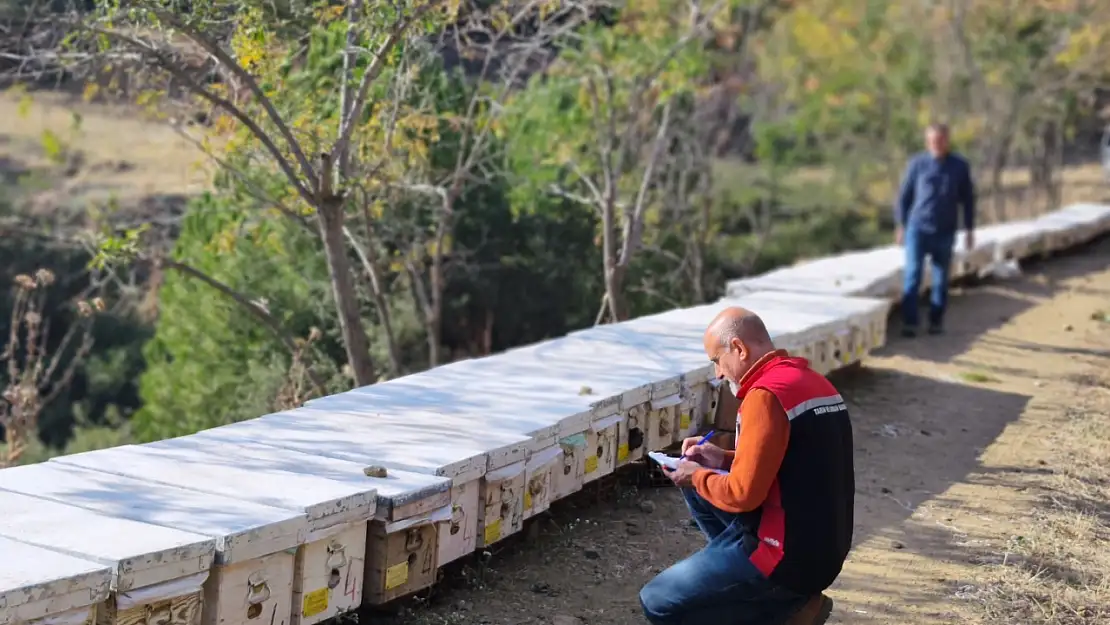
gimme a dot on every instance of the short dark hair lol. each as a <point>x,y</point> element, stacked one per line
<point>939,127</point>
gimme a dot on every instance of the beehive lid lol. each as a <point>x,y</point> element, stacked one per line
<point>853,273</point>
<point>535,391</point>
<point>830,312</point>
<point>677,335</point>
<point>139,553</point>
<point>216,469</point>
<point>357,439</point>
<point>397,491</point>
<point>417,401</point>
<point>36,582</point>
<point>680,345</point>
<point>517,402</point>
<point>242,530</point>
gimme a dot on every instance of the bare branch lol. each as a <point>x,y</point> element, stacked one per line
<point>225,60</point>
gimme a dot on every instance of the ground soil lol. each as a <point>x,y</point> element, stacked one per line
<point>983,471</point>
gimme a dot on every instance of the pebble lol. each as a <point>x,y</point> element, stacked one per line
<point>647,507</point>
<point>591,554</point>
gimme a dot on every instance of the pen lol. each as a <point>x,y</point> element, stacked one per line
<point>704,439</point>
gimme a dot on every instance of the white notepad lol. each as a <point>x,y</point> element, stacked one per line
<point>671,462</point>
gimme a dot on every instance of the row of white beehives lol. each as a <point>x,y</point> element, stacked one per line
<point>878,272</point>
<point>360,497</point>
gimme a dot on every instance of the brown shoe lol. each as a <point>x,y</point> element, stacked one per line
<point>815,612</point>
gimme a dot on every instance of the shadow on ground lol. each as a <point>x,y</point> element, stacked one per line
<point>975,310</point>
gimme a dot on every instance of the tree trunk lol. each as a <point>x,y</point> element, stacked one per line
<point>369,258</point>
<point>613,271</point>
<point>434,316</point>
<point>330,216</point>
<point>614,290</point>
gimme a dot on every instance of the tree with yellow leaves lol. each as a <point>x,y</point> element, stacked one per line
<point>345,151</point>
<point>601,118</point>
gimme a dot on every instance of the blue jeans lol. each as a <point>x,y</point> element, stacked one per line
<point>938,246</point>
<point>717,585</point>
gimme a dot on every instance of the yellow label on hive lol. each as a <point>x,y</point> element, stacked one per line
<point>684,421</point>
<point>316,602</point>
<point>527,500</point>
<point>493,532</point>
<point>397,575</point>
<point>622,452</point>
<point>591,464</point>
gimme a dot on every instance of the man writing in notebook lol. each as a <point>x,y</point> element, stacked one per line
<point>779,523</point>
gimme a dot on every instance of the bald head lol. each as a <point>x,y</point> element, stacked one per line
<point>735,340</point>
<point>740,324</point>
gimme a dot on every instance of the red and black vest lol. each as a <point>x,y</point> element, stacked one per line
<point>804,527</point>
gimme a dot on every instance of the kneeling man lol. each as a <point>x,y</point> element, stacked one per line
<point>779,523</point>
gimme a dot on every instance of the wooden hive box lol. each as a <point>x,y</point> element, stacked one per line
<point>662,426</point>
<point>43,587</point>
<point>405,500</point>
<point>327,570</point>
<point>569,473</point>
<point>394,448</point>
<point>602,441</point>
<point>158,572</point>
<point>252,580</point>
<point>539,480</point>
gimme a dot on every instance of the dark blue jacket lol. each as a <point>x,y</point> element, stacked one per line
<point>932,192</point>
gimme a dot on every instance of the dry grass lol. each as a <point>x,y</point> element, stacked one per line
<point>1058,572</point>
<point>111,155</point>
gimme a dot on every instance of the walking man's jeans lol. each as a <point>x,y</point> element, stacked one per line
<point>938,246</point>
<point>717,585</point>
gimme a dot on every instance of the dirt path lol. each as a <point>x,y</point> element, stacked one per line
<point>983,483</point>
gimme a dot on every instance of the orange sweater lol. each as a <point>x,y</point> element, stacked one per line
<point>764,432</point>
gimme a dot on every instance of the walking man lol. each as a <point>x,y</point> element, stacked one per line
<point>937,183</point>
<point>777,508</point>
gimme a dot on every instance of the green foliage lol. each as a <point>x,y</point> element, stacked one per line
<point>209,362</point>
<point>831,94</point>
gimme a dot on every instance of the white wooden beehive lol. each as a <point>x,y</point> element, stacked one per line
<point>502,504</point>
<point>327,567</point>
<point>459,536</point>
<point>253,574</point>
<point>403,556</point>
<point>601,447</point>
<point>569,474</point>
<point>689,412</point>
<point>410,503</point>
<point>632,433</point>
<point>539,486</point>
<point>156,570</point>
<point>663,422</point>
<point>43,587</point>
